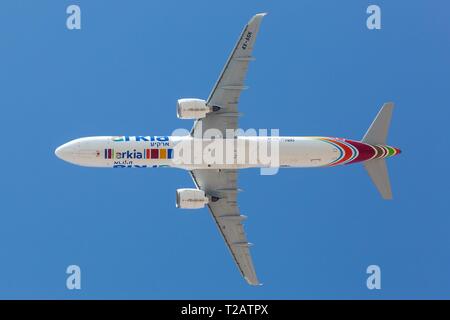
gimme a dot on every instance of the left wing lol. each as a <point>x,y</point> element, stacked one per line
<point>228,87</point>
<point>221,186</point>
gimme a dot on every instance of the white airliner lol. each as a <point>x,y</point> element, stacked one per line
<point>215,177</point>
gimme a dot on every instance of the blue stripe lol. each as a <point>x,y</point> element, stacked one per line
<point>338,147</point>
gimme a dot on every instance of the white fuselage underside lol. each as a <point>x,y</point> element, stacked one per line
<point>190,153</point>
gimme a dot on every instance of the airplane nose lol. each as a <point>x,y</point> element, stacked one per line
<point>83,152</point>
<point>58,152</point>
<point>62,153</point>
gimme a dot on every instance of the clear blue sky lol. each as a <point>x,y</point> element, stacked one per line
<point>319,71</point>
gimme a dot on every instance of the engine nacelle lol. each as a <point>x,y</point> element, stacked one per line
<point>191,199</point>
<point>192,109</point>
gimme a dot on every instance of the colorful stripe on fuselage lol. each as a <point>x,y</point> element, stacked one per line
<point>354,151</point>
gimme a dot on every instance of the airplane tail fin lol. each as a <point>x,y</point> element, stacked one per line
<point>377,135</point>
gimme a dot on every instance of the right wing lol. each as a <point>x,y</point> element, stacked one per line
<point>228,87</point>
<point>221,185</point>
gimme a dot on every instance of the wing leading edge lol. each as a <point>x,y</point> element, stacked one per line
<point>227,90</point>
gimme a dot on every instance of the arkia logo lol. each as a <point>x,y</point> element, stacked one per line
<point>146,154</point>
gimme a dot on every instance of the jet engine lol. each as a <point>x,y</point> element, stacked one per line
<point>193,108</point>
<point>191,199</point>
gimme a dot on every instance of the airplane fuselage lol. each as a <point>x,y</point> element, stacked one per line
<point>190,153</point>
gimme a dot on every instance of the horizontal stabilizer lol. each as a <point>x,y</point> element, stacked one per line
<point>378,172</point>
<point>379,128</point>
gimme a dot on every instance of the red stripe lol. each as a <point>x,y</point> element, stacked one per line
<point>365,151</point>
<point>348,152</point>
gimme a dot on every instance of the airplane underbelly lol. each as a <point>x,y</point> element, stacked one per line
<point>306,152</point>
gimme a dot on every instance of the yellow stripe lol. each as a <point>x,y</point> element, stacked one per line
<point>163,153</point>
